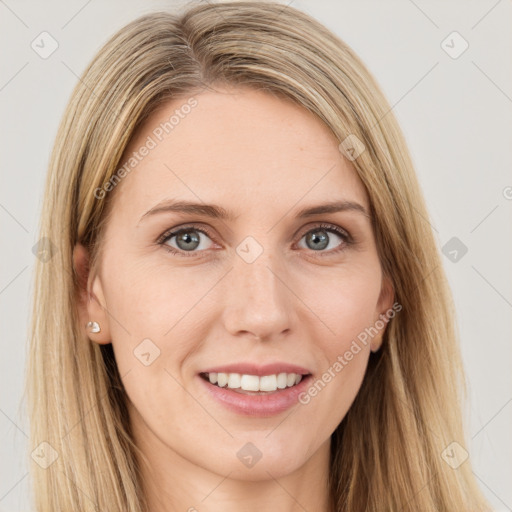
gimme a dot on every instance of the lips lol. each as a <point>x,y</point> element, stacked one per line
<point>256,390</point>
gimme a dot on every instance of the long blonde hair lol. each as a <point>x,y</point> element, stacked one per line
<point>387,453</point>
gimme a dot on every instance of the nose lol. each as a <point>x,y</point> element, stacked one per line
<point>258,301</point>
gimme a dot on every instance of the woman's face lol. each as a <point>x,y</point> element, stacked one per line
<point>256,286</point>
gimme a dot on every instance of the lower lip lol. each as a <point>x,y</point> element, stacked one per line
<point>257,405</point>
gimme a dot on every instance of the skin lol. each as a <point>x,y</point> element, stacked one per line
<point>263,158</point>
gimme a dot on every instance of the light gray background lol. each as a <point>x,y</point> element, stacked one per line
<point>456,115</point>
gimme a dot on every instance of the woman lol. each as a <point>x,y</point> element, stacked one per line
<point>244,308</point>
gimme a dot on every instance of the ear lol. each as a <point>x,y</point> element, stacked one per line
<point>386,298</point>
<point>90,298</point>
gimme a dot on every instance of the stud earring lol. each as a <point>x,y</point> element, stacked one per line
<point>93,327</point>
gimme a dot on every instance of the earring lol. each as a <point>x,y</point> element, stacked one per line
<point>93,327</point>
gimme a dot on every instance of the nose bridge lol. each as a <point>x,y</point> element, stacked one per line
<point>259,302</point>
<point>258,279</point>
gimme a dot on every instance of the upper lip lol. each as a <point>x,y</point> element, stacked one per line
<point>259,370</point>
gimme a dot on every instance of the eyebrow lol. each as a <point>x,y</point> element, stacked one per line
<point>218,212</point>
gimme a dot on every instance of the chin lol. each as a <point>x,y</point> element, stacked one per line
<point>259,459</point>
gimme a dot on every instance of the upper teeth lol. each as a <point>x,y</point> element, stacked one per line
<point>253,382</point>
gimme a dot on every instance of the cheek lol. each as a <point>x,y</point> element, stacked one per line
<point>347,305</point>
<point>158,316</point>
<point>345,301</point>
<point>149,299</point>
<point>344,358</point>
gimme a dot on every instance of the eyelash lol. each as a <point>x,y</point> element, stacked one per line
<point>165,237</point>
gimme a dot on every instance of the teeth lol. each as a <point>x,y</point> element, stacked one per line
<point>222,379</point>
<point>281,380</point>
<point>234,380</point>
<point>250,382</point>
<point>253,382</point>
<point>268,383</point>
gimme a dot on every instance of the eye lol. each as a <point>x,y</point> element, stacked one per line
<point>186,240</point>
<point>326,238</point>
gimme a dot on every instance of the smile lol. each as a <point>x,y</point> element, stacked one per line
<point>253,395</point>
<point>253,384</point>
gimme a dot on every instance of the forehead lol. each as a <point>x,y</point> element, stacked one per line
<point>237,146</point>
